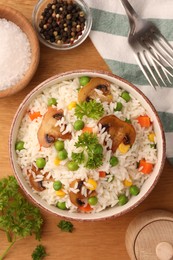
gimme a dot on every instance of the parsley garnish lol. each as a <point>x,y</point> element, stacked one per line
<point>18,217</point>
<point>91,109</point>
<point>87,140</point>
<point>78,157</point>
<point>39,253</point>
<point>93,150</point>
<point>94,160</point>
<point>66,226</point>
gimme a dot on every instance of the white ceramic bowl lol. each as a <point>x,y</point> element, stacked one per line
<point>109,212</point>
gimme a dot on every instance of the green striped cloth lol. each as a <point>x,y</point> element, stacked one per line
<point>109,35</point>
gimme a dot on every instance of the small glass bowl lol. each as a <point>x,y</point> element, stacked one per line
<point>37,12</point>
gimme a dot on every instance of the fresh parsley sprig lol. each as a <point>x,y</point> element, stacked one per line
<point>93,150</point>
<point>39,252</point>
<point>79,158</point>
<point>94,160</point>
<point>66,226</point>
<point>87,140</point>
<point>91,109</point>
<point>18,217</point>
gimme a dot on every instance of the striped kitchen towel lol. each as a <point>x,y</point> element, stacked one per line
<point>109,35</point>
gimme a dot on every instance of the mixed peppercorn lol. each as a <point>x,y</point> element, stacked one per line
<point>62,22</point>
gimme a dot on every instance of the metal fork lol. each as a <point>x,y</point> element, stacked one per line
<point>152,51</point>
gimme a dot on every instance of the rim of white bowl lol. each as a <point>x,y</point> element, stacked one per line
<point>108,212</point>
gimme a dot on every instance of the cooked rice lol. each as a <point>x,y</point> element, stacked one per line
<point>108,188</point>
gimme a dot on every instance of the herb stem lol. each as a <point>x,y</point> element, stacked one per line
<point>7,249</point>
<point>16,210</point>
<point>9,237</point>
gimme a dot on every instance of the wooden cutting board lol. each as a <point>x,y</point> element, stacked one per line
<point>150,236</point>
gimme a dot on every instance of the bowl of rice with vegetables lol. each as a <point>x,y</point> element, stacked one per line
<point>87,145</point>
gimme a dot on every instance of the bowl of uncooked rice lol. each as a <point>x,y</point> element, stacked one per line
<point>87,145</point>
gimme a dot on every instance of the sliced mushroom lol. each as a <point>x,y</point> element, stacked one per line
<point>48,132</point>
<point>78,199</point>
<point>37,185</point>
<point>120,131</point>
<point>88,91</point>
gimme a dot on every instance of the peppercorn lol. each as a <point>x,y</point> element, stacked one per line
<point>62,22</point>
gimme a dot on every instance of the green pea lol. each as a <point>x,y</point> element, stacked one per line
<point>40,162</point>
<point>119,106</point>
<point>51,101</point>
<point>134,190</point>
<point>128,121</point>
<point>154,146</point>
<point>93,200</point>
<point>61,205</point>
<point>110,178</point>
<point>113,161</point>
<point>59,145</point>
<point>84,80</point>
<point>122,199</point>
<point>98,149</point>
<point>72,166</point>
<point>19,145</point>
<point>126,96</point>
<point>78,125</point>
<point>62,155</point>
<point>57,185</point>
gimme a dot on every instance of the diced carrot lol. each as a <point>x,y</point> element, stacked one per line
<point>87,129</point>
<point>145,166</point>
<point>34,115</point>
<point>86,208</point>
<point>144,121</point>
<point>102,174</point>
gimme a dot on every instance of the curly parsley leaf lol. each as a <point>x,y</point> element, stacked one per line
<point>66,226</point>
<point>18,217</point>
<point>86,140</point>
<point>90,144</point>
<point>94,160</point>
<point>78,157</point>
<point>39,253</point>
<point>91,109</point>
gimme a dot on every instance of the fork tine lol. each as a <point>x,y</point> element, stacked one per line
<point>145,58</point>
<point>160,54</point>
<point>164,45</point>
<point>137,56</point>
<point>156,69</point>
<point>165,50</point>
<point>158,62</point>
<point>165,42</point>
<point>163,69</point>
<point>166,75</point>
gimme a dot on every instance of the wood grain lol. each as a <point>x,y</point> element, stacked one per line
<point>98,240</point>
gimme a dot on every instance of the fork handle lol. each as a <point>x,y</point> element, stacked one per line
<point>129,11</point>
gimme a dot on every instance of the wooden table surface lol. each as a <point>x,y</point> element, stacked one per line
<point>98,240</point>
